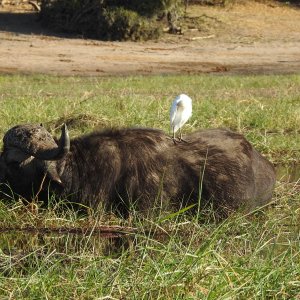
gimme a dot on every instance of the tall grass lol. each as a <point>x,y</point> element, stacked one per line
<point>264,108</point>
<point>182,257</point>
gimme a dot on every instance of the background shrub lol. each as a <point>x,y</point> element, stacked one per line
<point>108,19</point>
<point>122,24</point>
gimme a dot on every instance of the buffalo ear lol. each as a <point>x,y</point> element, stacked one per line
<point>15,155</point>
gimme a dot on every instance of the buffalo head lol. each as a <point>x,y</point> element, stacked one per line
<point>28,156</point>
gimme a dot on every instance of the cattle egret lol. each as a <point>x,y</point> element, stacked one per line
<point>181,111</point>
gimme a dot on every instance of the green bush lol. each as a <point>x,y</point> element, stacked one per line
<point>123,24</point>
<point>107,19</point>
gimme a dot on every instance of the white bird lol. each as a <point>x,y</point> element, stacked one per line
<point>181,111</point>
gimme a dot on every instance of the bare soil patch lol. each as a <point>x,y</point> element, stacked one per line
<point>250,38</point>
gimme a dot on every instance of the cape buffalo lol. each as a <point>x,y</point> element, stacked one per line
<point>117,168</point>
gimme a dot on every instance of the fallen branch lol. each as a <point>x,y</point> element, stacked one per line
<point>104,231</point>
<point>202,37</point>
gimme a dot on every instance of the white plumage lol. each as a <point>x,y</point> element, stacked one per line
<point>181,111</point>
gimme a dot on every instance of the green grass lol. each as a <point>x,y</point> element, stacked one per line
<point>244,257</point>
<point>264,108</point>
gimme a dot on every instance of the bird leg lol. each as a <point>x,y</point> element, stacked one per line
<point>180,136</point>
<point>173,137</point>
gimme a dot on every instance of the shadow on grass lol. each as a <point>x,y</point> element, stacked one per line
<point>19,244</point>
<point>27,23</point>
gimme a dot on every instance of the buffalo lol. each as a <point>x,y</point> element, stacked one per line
<point>136,167</point>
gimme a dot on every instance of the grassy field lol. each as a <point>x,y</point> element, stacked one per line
<point>244,257</point>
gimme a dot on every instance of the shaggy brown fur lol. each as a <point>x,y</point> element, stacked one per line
<point>144,168</point>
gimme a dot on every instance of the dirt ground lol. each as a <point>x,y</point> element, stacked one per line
<point>251,38</point>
